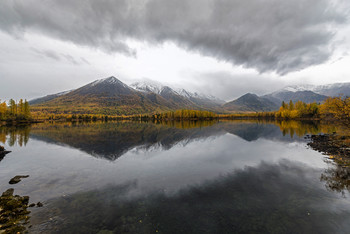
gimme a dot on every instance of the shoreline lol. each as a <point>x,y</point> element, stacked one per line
<point>148,118</point>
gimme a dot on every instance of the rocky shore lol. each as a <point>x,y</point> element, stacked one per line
<point>14,213</point>
<point>335,146</point>
<point>3,152</point>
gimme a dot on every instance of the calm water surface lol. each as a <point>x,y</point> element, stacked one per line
<point>189,177</point>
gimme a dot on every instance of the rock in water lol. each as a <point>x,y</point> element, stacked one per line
<point>39,204</point>
<point>8,193</point>
<point>17,179</point>
<point>3,152</point>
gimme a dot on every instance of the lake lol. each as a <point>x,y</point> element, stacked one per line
<point>176,177</point>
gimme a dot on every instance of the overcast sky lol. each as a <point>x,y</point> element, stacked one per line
<point>220,47</point>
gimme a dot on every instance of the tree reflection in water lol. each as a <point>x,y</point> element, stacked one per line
<point>337,147</point>
<point>337,178</point>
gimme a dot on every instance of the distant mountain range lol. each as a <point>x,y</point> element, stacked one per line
<point>336,89</point>
<point>286,96</point>
<point>178,95</point>
<point>308,93</point>
<point>111,96</point>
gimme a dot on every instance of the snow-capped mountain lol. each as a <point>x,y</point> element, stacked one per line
<point>297,88</point>
<point>111,96</point>
<point>188,94</point>
<point>149,86</point>
<point>335,89</point>
<point>309,93</point>
<point>110,86</point>
<point>166,92</point>
<point>152,86</point>
<point>184,93</point>
<point>108,81</point>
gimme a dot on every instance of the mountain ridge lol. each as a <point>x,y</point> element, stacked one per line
<point>304,96</point>
<point>112,96</point>
<point>105,96</point>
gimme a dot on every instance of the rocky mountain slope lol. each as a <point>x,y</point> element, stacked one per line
<point>106,96</point>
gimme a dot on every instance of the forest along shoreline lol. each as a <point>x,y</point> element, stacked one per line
<point>333,109</point>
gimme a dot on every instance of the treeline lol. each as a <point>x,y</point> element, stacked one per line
<point>334,108</point>
<point>170,115</point>
<point>245,116</point>
<point>40,117</point>
<point>298,110</point>
<point>185,114</point>
<point>17,111</point>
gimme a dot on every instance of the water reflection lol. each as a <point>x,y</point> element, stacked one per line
<point>15,135</point>
<point>337,178</point>
<point>269,198</point>
<point>113,139</point>
<point>337,147</point>
<point>177,177</point>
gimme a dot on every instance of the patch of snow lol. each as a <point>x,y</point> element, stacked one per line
<point>108,80</point>
<point>147,85</point>
<point>64,92</point>
<point>297,88</point>
<point>184,93</point>
<point>320,89</point>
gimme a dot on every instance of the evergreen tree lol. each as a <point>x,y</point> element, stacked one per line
<point>291,105</point>
<point>20,107</point>
<point>13,107</point>
<point>284,105</point>
<point>26,109</point>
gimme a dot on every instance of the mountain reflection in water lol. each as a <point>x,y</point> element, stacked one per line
<point>177,177</point>
<point>113,139</point>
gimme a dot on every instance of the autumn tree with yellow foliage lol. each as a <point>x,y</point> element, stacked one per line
<point>14,110</point>
<point>336,108</point>
<point>298,110</point>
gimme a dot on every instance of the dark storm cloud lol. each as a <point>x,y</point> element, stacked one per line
<point>271,35</point>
